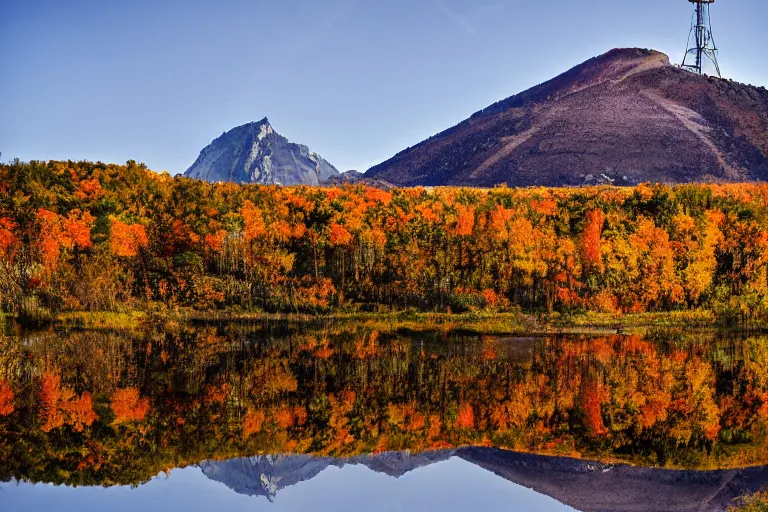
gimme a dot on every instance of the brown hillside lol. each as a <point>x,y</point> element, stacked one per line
<point>625,117</point>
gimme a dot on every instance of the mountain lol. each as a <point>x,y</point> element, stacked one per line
<point>582,484</point>
<point>256,153</point>
<point>590,486</point>
<point>264,475</point>
<point>625,117</point>
<point>355,178</point>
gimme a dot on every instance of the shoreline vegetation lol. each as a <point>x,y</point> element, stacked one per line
<point>79,238</point>
<point>479,323</point>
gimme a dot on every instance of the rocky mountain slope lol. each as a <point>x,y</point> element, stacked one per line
<point>590,486</point>
<point>355,178</point>
<point>625,117</point>
<point>256,153</point>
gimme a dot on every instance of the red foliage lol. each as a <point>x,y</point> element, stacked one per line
<point>654,410</point>
<point>299,202</point>
<point>254,221</point>
<point>300,415</point>
<point>590,239</point>
<point>299,230</point>
<point>500,217</point>
<point>377,195</point>
<point>127,239</point>
<point>339,235</point>
<point>591,402</point>
<point>77,228</point>
<point>427,213</point>
<point>60,406</point>
<point>314,294</point>
<point>466,417</point>
<point>216,240</point>
<point>466,221</point>
<point>284,417</point>
<point>50,391</point>
<point>78,411</point>
<point>218,394</point>
<point>7,238</point>
<point>88,190</point>
<point>366,347</point>
<point>763,410</point>
<point>50,237</point>
<point>544,207</point>
<point>254,421</point>
<point>324,352</point>
<point>491,298</point>
<point>281,231</point>
<point>6,398</point>
<point>128,405</point>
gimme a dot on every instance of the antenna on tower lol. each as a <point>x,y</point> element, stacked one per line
<point>701,44</point>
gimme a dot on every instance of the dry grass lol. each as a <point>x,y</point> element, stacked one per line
<point>483,322</point>
<point>101,320</point>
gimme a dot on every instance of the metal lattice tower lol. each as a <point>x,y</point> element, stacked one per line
<point>701,44</point>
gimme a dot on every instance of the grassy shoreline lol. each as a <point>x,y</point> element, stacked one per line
<point>484,322</point>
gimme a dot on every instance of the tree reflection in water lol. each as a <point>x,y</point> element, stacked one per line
<point>105,408</point>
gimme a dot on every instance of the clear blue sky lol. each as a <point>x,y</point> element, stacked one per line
<point>356,80</point>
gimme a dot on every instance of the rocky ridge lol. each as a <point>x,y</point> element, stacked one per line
<point>256,153</point>
<point>625,117</point>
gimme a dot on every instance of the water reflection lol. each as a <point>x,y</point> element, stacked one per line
<point>449,479</point>
<point>108,408</point>
<point>584,485</point>
<point>264,475</point>
<point>452,485</point>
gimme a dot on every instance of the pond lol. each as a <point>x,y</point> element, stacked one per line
<point>281,416</point>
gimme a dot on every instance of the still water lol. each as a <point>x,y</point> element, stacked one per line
<point>273,416</point>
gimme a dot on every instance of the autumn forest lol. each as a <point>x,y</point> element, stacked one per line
<point>80,236</point>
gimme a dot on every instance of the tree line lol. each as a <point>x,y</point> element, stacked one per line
<point>103,237</point>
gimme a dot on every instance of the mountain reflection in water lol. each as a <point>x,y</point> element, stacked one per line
<point>101,408</point>
<point>583,485</point>
<point>544,483</point>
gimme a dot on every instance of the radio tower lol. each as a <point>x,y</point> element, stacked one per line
<point>700,41</point>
